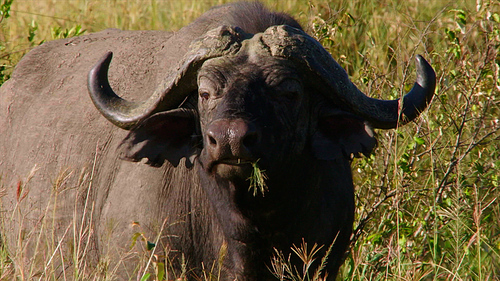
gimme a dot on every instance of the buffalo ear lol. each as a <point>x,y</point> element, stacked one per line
<point>163,136</point>
<point>341,134</point>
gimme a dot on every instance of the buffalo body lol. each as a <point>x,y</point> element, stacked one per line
<point>237,89</point>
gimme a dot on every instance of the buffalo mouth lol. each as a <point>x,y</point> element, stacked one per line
<point>232,168</point>
<point>234,161</point>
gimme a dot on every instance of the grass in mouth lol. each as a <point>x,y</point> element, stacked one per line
<point>257,180</point>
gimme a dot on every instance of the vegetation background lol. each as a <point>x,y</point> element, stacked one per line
<point>428,204</point>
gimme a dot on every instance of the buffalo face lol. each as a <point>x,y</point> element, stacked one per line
<point>251,109</point>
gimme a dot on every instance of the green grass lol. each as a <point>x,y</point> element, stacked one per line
<point>257,180</point>
<point>427,200</point>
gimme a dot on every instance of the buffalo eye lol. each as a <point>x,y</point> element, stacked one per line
<point>204,95</point>
<point>207,88</point>
<point>289,89</point>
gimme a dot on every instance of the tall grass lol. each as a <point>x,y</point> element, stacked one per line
<point>427,200</point>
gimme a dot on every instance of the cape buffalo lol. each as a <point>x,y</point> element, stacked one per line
<point>240,93</point>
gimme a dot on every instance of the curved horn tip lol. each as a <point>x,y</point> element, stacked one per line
<point>417,99</point>
<point>422,92</point>
<point>103,62</point>
<point>103,97</point>
<point>426,77</point>
<point>107,57</point>
<point>101,68</point>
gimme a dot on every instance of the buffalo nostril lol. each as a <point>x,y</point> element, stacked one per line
<point>212,140</point>
<point>231,138</point>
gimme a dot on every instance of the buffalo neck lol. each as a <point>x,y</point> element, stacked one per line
<point>249,222</point>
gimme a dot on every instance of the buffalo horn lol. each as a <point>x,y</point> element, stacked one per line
<point>294,44</point>
<point>172,90</point>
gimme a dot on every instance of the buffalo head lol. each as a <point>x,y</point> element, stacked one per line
<point>268,97</point>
